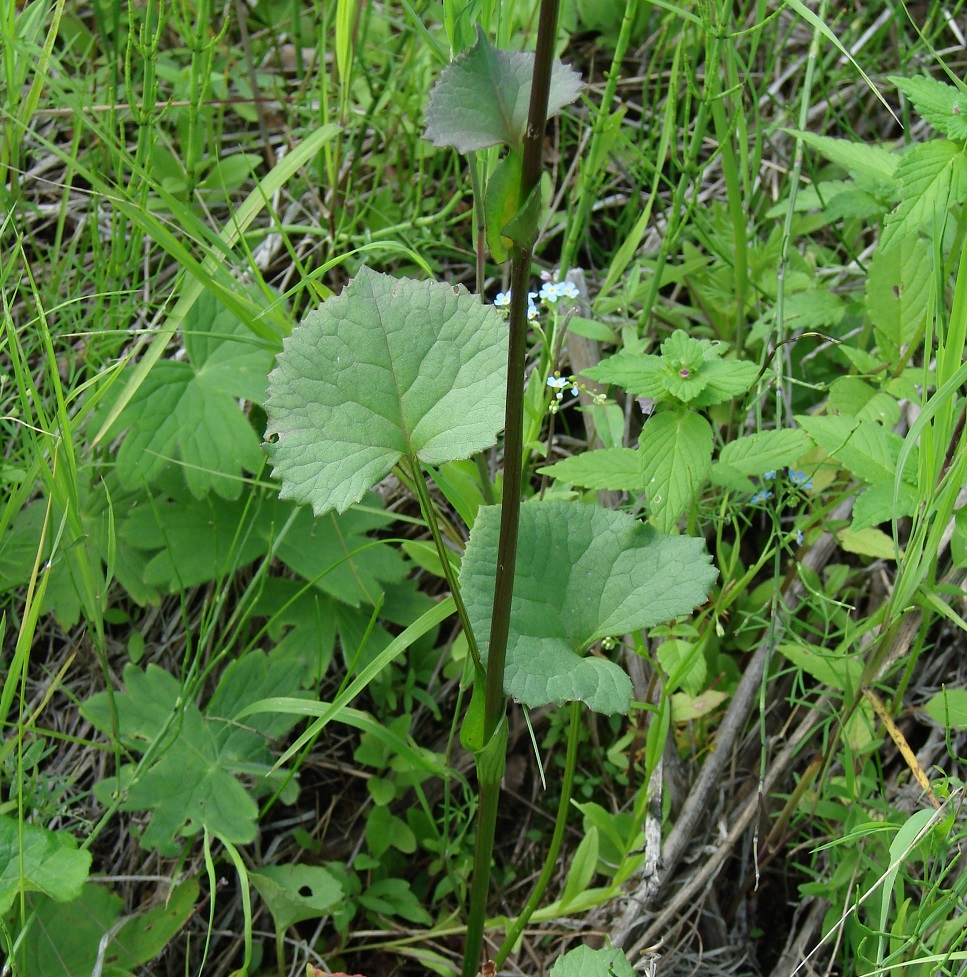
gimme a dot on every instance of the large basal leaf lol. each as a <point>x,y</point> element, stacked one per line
<point>482,98</point>
<point>188,541</point>
<point>583,573</point>
<point>188,411</point>
<point>191,783</point>
<point>390,367</point>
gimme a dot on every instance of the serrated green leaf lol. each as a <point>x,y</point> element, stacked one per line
<point>689,371</point>
<point>942,105</point>
<point>640,374</point>
<point>188,412</point>
<point>874,162</point>
<point>725,379</point>
<point>390,367</point>
<point>814,308</point>
<point>190,784</point>
<point>898,292</point>
<point>33,859</point>
<point>482,98</point>
<point>583,573</point>
<point>874,505</point>
<point>857,398</point>
<point>675,454</point>
<point>865,448</point>
<point>295,893</point>
<point>933,178</point>
<point>766,451</point>
<point>582,961</point>
<point>616,469</point>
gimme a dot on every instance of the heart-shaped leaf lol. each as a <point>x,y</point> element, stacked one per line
<point>482,98</point>
<point>390,367</point>
<point>583,573</point>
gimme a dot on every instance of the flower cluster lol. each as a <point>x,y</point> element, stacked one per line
<point>550,293</point>
<point>799,480</point>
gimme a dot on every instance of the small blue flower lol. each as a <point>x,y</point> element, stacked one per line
<point>567,290</point>
<point>799,537</point>
<point>574,391</point>
<point>558,383</point>
<point>800,479</point>
<point>769,476</point>
<point>532,312</point>
<point>502,300</point>
<point>548,292</point>
<point>761,496</point>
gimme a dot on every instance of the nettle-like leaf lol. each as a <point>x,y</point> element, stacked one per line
<point>192,782</point>
<point>615,469</point>
<point>189,541</point>
<point>757,454</point>
<point>583,573</point>
<point>188,412</point>
<point>942,105</point>
<point>873,163</point>
<point>33,859</point>
<point>675,454</point>
<point>389,368</point>
<point>898,290</point>
<point>482,98</point>
<point>688,371</point>
<point>933,178</point>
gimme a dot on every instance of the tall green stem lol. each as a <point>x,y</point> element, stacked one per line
<point>557,839</point>
<point>490,767</point>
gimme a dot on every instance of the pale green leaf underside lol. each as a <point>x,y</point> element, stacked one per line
<point>391,367</point>
<point>482,99</point>
<point>583,573</point>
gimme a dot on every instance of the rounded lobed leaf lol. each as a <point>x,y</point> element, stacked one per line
<point>583,573</point>
<point>390,367</point>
